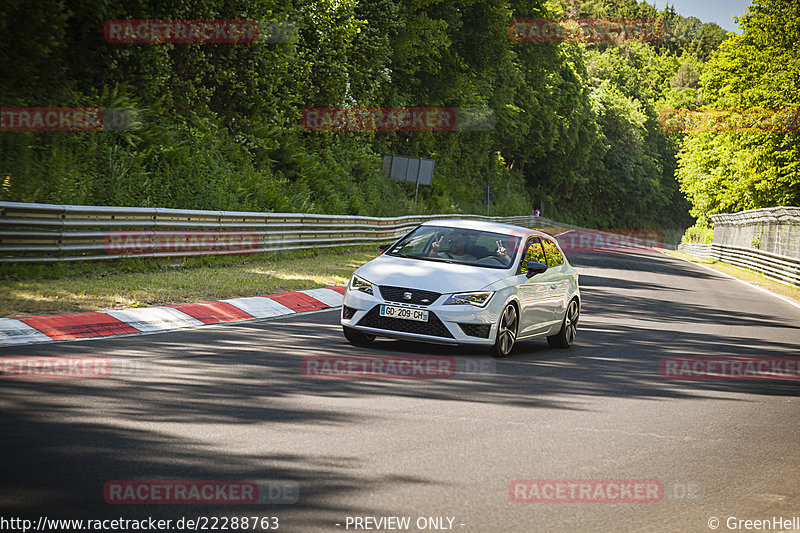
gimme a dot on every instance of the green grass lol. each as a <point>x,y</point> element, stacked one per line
<point>750,276</point>
<point>37,289</point>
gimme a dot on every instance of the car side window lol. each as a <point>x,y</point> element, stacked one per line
<point>554,257</point>
<point>533,252</point>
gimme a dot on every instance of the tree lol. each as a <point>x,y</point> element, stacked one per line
<point>757,70</point>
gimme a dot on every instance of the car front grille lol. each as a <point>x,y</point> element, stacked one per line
<point>476,330</point>
<point>348,312</point>
<point>433,327</point>
<point>396,294</point>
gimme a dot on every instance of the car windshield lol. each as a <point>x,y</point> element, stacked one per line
<point>458,245</point>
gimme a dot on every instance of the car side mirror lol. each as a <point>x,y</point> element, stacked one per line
<point>383,247</point>
<point>535,268</point>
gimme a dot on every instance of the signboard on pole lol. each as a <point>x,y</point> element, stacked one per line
<point>409,169</point>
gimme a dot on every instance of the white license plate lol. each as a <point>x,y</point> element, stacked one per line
<point>405,313</point>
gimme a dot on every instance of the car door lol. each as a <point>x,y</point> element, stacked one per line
<point>559,280</point>
<point>536,296</point>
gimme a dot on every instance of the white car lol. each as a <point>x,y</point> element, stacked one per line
<point>465,282</point>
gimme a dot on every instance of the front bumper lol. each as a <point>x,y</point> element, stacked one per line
<point>447,324</point>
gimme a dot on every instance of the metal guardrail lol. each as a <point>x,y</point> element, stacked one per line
<point>701,251</point>
<point>48,232</point>
<point>780,268</point>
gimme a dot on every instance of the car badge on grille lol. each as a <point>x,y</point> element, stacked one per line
<point>426,301</point>
<point>406,295</point>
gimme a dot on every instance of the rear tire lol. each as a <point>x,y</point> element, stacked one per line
<point>569,327</point>
<point>506,332</point>
<point>359,338</point>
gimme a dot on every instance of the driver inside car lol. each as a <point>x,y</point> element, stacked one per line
<point>458,249</point>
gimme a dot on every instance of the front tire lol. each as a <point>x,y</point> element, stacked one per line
<point>569,327</point>
<point>359,338</point>
<point>506,332</point>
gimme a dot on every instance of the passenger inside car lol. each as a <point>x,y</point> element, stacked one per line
<point>462,249</point>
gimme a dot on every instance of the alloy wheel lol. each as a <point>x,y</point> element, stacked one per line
<point>507,331</point>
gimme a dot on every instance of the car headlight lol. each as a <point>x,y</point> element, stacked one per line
<point>478,299</point>
<point>360,284</point>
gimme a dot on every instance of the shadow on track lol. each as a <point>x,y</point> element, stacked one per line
<point>239,375</point>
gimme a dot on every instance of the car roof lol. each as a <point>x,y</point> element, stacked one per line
<point>485,225</point>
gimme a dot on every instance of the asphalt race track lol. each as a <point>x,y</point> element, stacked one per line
<point>231,403</point>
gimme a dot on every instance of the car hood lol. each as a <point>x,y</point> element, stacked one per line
<point>429,275</point>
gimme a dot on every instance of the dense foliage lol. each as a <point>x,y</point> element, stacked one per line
<point>728,171</point>
<point>576,124</point>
